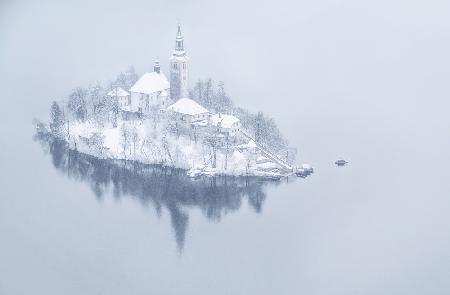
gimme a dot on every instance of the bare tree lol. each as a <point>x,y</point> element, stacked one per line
<point>227,150</point>
<point>165,145</point>
<point>134,139</point>
<point>212,141</point>
<point>126,137</point>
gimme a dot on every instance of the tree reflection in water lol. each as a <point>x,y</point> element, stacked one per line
<point>162,187</point>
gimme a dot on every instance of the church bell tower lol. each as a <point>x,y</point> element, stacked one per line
<point>179,69</point>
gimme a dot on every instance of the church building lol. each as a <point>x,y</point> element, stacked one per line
<point>154,90</point>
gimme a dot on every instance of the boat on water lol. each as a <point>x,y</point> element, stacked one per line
<point>304,170</point>
<point>341,162</point>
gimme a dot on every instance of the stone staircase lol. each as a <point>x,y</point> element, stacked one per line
<point>267,153</point>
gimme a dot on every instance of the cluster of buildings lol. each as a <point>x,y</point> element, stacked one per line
<point>154,91</point>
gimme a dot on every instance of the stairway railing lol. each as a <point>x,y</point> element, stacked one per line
<point>268,153</point>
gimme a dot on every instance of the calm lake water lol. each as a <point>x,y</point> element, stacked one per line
<point>364,81</point>
<point>71,224</point>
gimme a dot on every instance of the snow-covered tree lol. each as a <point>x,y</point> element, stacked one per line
<point>197,92</point>
<point>101,111</point>
<point>121,81</point>
<point>95,95</point>
<point>213,98</point>
<point>77,103</point>
<point>212,141</point>
<point>96,144</point>
<point>208,93</point>
<point>203,93</point>
<point>114,111</point>
<point>263,128</point>
<point>125,79</point>
<point>56,120</point>
<point>257,127</point>
<point>222,102</point>
<point>131,77</point>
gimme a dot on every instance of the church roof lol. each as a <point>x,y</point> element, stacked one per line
<point>225,121</point>
<point>118,91</point>
<point>188,107</point>
<point>150,83</point>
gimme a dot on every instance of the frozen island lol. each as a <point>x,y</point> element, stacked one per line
<point>153,121</point>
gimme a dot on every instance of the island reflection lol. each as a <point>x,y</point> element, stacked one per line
<point>162,187</point>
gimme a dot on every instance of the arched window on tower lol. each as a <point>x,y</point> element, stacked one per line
<point>175,66</point>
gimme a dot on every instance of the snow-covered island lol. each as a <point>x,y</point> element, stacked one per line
<point>154,121</point>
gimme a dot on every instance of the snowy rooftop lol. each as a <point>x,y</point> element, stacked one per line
<point>250,145</point>
<point>188,107</point>
<point>150,83</point>
<point>118,91</point>
<point>225,121</point>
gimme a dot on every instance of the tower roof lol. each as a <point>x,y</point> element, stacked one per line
<point>179,44</point>
<point>179,31</point>
<point>156,66</point>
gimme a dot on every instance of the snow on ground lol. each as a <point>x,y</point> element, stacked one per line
<point>112,140</point>
<point>224,120</point>
<point>149,143</point>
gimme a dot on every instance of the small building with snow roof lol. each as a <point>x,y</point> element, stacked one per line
<point>226,124</point>
<point>122,96</point>
<point>188,111</point>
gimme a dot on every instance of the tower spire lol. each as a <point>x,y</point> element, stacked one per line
<point>157,67</point>
<point>179,69</point>
<point>179,42</point>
